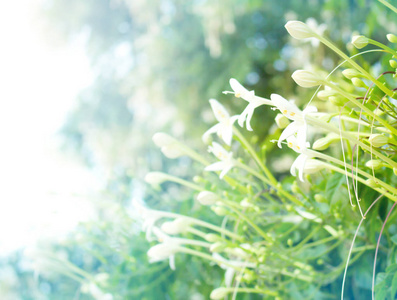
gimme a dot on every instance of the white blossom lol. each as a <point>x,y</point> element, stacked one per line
<point>292,112</point>
<point>224,128</point>
<point>253,102</point>
<point>226,160</point>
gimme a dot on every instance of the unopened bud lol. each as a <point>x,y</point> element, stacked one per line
<point>313,166</point>
<point>207,198</point>
<point>307,78</point>
<point>393,63</point>
<point>212,238</point>
<point>325,94</point>
<point>350,73</point>
<point>359,41</point>
<point>337,100</point>
<point>219,210</point>
<point>162,139</point>
<point>371,183</point>
<point>177,226</point>
<point>378,140</point>
<point>392,38</point>
<point>217,247</point>
<point>374,164</point>
<point>358,82</point>
<point>219,293</point>
<point>320,198</point>
<point>282,121</point>
<point>172,151</point>
<point>299,30</point>
<point>325,142</point>
<point>156,177</point>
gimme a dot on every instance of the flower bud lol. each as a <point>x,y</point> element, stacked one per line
<point>207,198</point>
<point>170,147</point>
<point>219,293</point>
<point>219,210</point>
<point>299,30</point>
<point>217,247</point>
<point>350,73</point>
<point>156,177</point>
<point>162,139</point>
<point>358,82</point>
<point>313,166</point>
<point>212,238</point>
<point>161,251</point>
<point>325,142</point>
<point>392,38</point>
<point>177,226</point>
<point>378,140</point>
<point>325,94</point>
<point>307,78</point>
<point>371,183</point>
<point>282,121</point>
<point>337,100</point>
<point>320,198</point>
<point>172,151</point>
<point>359,41</point>
<point>374,164</point>
<point>393,63</point>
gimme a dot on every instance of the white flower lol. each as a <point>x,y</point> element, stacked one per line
<point>226,160</point>
<point>303,163</point>
<point>253,102</point>
<point>148,216</point>
<point>224,128</point>
<point>292,112</point>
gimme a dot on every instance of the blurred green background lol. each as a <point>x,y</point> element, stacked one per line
<point>155,64</point>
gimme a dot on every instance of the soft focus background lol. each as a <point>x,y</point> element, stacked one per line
<point>85,84</point>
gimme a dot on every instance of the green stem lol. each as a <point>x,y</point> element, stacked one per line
<point>336,169</point>
<point>384,47</point>
<point>363,107</point>
<point>199,223</point>
<point>251,291</point>
<point>255,156</point>
<point>355,65</point>
<point>252,224</point>
<point>208,257</point>
<point>329,128</point>
<point>385,3</point>
<point>278,187</point>
<point>348,166</point>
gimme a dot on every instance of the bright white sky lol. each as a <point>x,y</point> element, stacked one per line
<point>38,86</point>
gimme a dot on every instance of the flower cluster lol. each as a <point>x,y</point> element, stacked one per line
<point>255,192</point>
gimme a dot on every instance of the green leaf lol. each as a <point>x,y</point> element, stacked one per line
<point>333,190</point>
<point>394,286</point>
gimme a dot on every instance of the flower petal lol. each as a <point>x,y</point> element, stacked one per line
<point>219,110</point>
<point>226,169</point>
<point>288,131</point>
<point>239,90</point>
<point>218,166</point>
<point>226,133</point>
<point>213,129</point>
<point>287,108</point>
